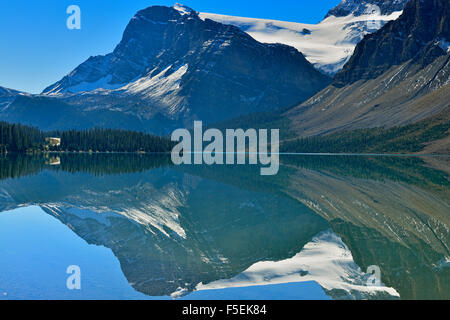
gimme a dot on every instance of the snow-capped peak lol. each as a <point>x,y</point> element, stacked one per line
<point>363,7</point>
<point>182,8</point>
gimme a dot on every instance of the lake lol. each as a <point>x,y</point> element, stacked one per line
<point>138,227</point>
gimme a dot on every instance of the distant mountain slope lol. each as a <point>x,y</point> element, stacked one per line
<point>172,67</point>
<point>5,92</point>
<point>329,44</point>
<point>398,75</point>
<point>7,96</point>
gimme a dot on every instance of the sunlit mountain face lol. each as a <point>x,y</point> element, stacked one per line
<point>312,231</point>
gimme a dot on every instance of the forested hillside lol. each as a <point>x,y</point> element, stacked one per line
<point>104,140</point>
<point>405,139</point>
<point>19,138</point>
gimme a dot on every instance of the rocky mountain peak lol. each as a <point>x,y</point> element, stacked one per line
<point>362,7</point>
<point>421,33</point>
<point>155,38</point>
<point>149,34</point>
<point>183,9</point>
<point>173,64</point>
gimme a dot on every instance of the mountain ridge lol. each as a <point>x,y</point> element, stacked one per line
<point>382,87</point>
<point>172,67</point>
<point>415,34</point>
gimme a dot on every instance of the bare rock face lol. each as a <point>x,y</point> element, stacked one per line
<point>359,7</point>
<point>421,33</point>
<point>397,76</point>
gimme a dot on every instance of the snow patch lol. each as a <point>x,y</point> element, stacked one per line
<point>159,215</point>
<point>444,45</point>
<point>102,83</point>
<point>180,292</point>
<point>372,9</point>
<point>443,263</point>
<point>162,88</point>
<point>181,8</point>
<point>325,260</point>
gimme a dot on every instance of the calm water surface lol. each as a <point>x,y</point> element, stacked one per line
<point>141,228</point>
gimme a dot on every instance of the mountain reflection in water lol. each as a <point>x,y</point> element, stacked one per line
<point>184,230</point>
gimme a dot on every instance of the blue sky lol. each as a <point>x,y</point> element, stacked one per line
<point>38,50</point>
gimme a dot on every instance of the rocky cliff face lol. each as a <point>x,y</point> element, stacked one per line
<point>361,7</point>
<point>397,75</point>
<point>421,33</point>
<point>175,66</point>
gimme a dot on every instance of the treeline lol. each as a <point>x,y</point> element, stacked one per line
<point>111,140</point>
<point>19,138</point>
<point>24,139</point>
<point>107,164</point>
<point>410,138</point>
<point>15,165</point>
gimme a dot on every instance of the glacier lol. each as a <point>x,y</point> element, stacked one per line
<point>325,260</point>
<point>327,45</point>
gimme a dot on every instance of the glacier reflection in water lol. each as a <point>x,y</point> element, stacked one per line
<point>142,229</point>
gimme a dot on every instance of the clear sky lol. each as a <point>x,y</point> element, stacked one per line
<point>37,49</point>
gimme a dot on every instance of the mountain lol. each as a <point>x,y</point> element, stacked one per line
<point>397,76</point>
<point>5,92</point>
<point>7,96</point>
<point>170,68</point>
<point>55,113</point>
<point>363,7</point>
<point>329,44</point>
<point>419,34</point>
